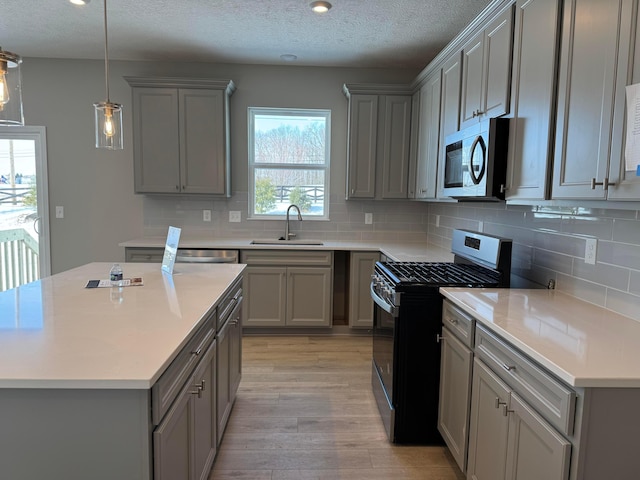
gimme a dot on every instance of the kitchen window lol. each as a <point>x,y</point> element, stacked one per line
<point>289,162</point>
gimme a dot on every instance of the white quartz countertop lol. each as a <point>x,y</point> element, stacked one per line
<point>55,333</point>
<point>582,344</point>
<point>399,251</point>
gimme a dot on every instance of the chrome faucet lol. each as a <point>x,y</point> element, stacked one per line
<point>286,228</point>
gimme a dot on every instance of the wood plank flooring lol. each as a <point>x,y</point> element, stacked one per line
<point>305,411</point>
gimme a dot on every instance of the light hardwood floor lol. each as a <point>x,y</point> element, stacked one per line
<point>305,411</point>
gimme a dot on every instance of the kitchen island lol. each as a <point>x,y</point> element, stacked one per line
<point>80,368</point>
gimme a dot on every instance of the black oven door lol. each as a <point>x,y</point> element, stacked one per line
<point>385,316</point>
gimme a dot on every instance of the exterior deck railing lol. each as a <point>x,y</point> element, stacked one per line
<point>18,258</point>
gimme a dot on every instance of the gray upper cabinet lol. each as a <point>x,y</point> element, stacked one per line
<point>594,69</point>
<point>181,135</point>
<point>486,71</point>
<point>379,133</point>
<point>428,137</point>
<point>361,155</point>
<point>533,97</point>
<point>449,110</point>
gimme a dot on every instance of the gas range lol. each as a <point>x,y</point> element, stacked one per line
<point>407,324</point>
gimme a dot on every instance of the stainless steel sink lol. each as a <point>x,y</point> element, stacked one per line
<point>276,241</point>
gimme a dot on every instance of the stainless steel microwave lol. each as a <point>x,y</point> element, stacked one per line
<point>475,165</point>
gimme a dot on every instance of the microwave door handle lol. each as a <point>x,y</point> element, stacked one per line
<point>478,141</point>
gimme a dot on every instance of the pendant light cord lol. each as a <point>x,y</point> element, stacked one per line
<point>106,51</point>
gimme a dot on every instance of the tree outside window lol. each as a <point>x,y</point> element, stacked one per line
<point>288,162</point>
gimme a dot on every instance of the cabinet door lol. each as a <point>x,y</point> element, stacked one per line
<point>223,391</point>
<point>625,177</point>
<point>395,146</point>
<point>156,143</point>
<point>498,49</point>
<point>455,396</point>
<point>202,148</point>
<point>489,425</point>
<point>309,296</point>
<point>428,137</point>
<point>172,456</point>
<point>472,71</point>
<point>536,450</point>
<point>362,146</point>
<point>265,303</point>
<point>235,353</point>
<point>204,414</point>
<point>533,99</point>
<point>449,111</point>
<point>360,303</point>
<point>589,54</point>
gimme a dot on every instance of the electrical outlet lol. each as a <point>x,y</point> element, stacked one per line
<point>590,251</point>
<point>437,220</point>
<point>481,226</point>
<point>59,212</point>
<point>368,218</point>
<point>206,215</point>
<point>234,216</point>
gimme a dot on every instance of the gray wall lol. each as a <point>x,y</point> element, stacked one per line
<point>96,187</point>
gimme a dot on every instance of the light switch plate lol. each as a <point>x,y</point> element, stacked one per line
<point>59,211</point>
<point>234,216</point>
<point>368,218</point>
<point>206,215</point>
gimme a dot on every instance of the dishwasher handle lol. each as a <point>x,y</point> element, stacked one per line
<point>206,256</point>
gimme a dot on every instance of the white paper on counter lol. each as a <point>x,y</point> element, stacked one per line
<point>170,249</point>
<point>632,148</point>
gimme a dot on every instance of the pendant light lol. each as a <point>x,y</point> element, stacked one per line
<point>10,89</point>
<point>108,114</point>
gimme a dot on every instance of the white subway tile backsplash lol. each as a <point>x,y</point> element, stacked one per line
<point>549,241</point>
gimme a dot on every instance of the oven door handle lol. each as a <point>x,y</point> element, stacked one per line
<point>387,307</point>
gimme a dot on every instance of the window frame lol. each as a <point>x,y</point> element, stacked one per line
<point>324,167</point>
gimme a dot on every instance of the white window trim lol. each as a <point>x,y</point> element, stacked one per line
<point>326,167</point>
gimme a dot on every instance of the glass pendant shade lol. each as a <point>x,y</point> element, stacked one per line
<point>10,89</point>
<point>108,125</point>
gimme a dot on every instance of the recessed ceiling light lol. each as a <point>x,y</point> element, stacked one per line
<point>320,7</point>
<point>288,57</point>
<point>79,2</point>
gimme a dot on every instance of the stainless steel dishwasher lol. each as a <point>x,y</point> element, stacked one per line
<point>206,255</point>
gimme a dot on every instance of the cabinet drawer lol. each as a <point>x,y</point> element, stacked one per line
<point>548,396</point>
<point>458,322</point>
<point>229,302</point>
<point>286,257</point>
<point>169,385</point>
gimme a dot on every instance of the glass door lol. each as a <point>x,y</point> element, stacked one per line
<point>24,210</point>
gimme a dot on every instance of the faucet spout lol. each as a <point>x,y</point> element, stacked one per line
<point>286,228</point>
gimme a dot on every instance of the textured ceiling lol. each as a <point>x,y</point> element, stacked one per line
<point>358,33</point>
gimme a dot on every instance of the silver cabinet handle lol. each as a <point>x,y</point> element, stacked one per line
<point>605,183</point>
<point>508,368</point>
<point>498,403</point>
<point>197,352</point>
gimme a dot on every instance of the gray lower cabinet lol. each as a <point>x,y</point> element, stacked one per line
<point>181,135</point>
<point>456,363</point>
<point>229,372</point>
<point>185,441</point>
<point>287,288</point>
<point>533,95</point>
<point>360,303</point>
<point>455,395</point>
<point>489,427</point>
